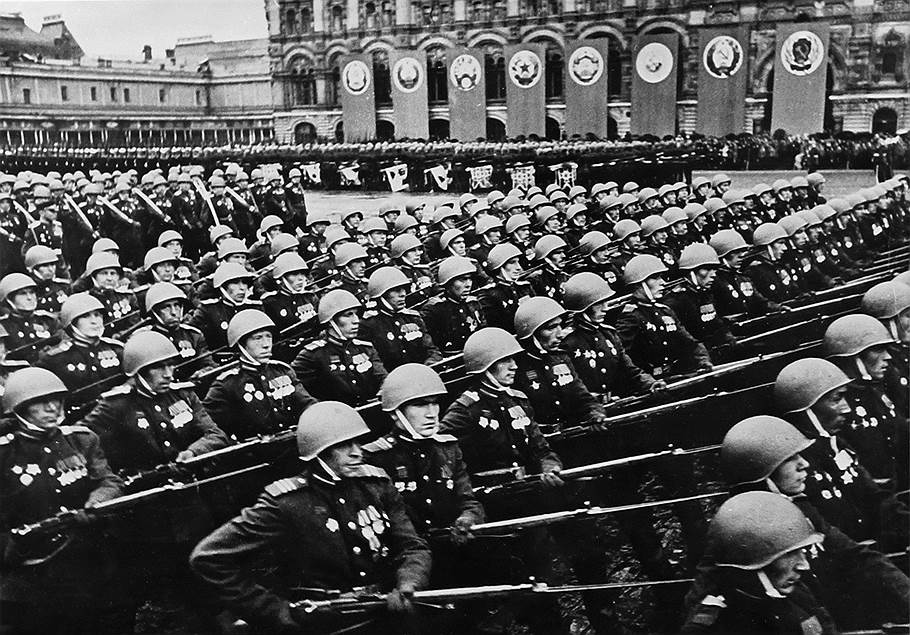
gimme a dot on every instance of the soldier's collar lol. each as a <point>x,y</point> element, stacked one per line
<point>31,431</point>
<point>322,472</point>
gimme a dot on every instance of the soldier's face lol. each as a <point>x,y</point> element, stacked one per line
<point>106,278</point>
<point>580,220</point>
<point>357,267</point>
<point>766,199</point>
<point>659,237</point>
<point>44,272</point>
<point>461,286</point>
<point>391,217</point>
<point>348,323</point>
<point>777,249</point>
<point>493,237</point>
<point>633,241</point>
<point>24,301</point>
<point>353,221</point>
<point>557,257</point>
<point>412,256</point>
<point>344,459</point>
<point>91,324</point>
<point>721,188</point>
<point>800,238</point>
<point>521,234</point>
<point>175,247</point>
<point>422,415</point>
<point>170,313</point>
<point>704,276</point>
<point>164,272</point>
<point>240,259</point>
<point>553,225</point>
<point>678,228</point>
<point>790,476</point>
<point>734,259</point>
<point>655,286</point>
<point>785,195</point>
<point>903,326</point>
<point>832,409</point>
<point>597,312</point>
<point>511,270</point>
<point>295,281</point>
<point>503,371</point>
<point>876,360</point>
<point>551,334</point>
<point>259,345</point>
<point>46,415</point>
<point>158,377</point>
<point>378,239</point>
<point>669,199</point>
<point>395,297</point>
<point>236,290</point>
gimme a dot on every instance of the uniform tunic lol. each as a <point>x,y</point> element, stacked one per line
<point>212,318</point>
<point>348,371</point>
<point>500,302</point>
<point>399,338</point>
<point>696,310</point>
<point>28,332</point>
<point>735,294</point>
<point>602,363</point>
<point>450,322</point>
<point>80,364</point>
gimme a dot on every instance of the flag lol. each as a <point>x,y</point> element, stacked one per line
<point>397,176</point>
<point>525,90</point>
<point>522,176</point>
<point>350,174</point>
<point>467,94</point>
<point>800,74</point>
<point>723,74</point>
<point>312,172</point>
<point>654,84</point>
<point>586,87</point>
<point>409,93</point>
<point>481,177</point>
<point>564,174</point>
<point>358,102</point>
<point>440,174</point>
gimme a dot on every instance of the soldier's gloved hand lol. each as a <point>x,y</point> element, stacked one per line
<point>399,600</point>
<point>658,385</point>
<point>550,478</point>
<point>461,530</point>
<point>184,455</point>
<point>599,423</point>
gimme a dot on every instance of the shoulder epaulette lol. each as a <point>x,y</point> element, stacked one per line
<point>123,389</point>
<point>44,313</point>
<point>112,341</point>
<point>363,342</point>
<point>188,327</point>
<point>210,301</point>
<point>279,364</point>
<point>62,347</point>
<point>468,398</point>
<point>253,303</point>
<point>268,294</point>
<point>409,312</point>
<point>315,345</point>
<point>228,373</point>
<point>371,471</point>
<point>285,486</point>
<point>73,429</point>
<point>444,438</point>
<point>62,281</point>
<point>124,290</point>
<point>628,308</point>
<point>182,385</point>
<point>370,313</point>
<point>516,393</point>
<point>666,306</point>
<point>381,444</point>
<point>708,610</point>
<point>140,288</point>
<point>435,300</point>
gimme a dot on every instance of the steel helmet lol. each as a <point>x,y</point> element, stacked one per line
<point>802,383</point>
<point>448,236</point>
<point>31,384</point>
<point>403,244</point>
<point>719,179</point>
<point>103,245</point>
<point>854,200</point>
<point>545,213</point>
<point>538,200</point>
<point>316,218</point>
<point>39,255</point>
<point>404,223</point>
<point>444,212</point>
<point>611,202</point>
<point>516,222</point>
<point>348,253</point>
<point>792,224</point>
<point>147,348</point>
<point>349,213</point>
<point>730,197</point>
<point>231,246</point>
<point>673,215</point>
<point>665,189</point>
<point>694,210</point>
<point>815,178</point>
<point>217,232</point>
<point>15,282</point>
<point>373,224</point>
<point>535,312</point>
<point>77,305</point>
<point>575,209</point>
<point>781,184</point>
<point>385,279</point>
<point>839,205</point>
<point>799,181</point>
<point>583,290</point>
<point>761,188</point>
<point>500,255</point>
<point>458,267</point>
<point>486,224</point>
<point>466,198</point>
<point>513,202</point>
<point>335,235</point>
<point>646,194</point>
<point>156,256</point>
<point>327,423</point>
<point>407,383</point>
<point>494,197</point>
<point>576,190</point>
<point>247,322</point>
<point>168,235</point>
<point>625,228</point>
<point>103,260</point>
<point>824,211</point>
<point>714,204</point>
<point>852,334</point>
<point>625,200</point>
<point>388,208</point>
<point>753,529</point>
<point>593,241</point>
<point>755,447</point>
<point>810,217</point>
<point>546,245</point>
<point>486,346</point>
<point>698,255</point>
<point>334,302</point>
<point>642,267</point>
<point>903,278</point>
<point>597,188</point>
<point>289,262</point>
<point>162,292</point>
<point>699,181</point>
<point>767,233</point>
<point>653,223</point>
<point>228,272</point>
<point>629,187</point>
<point>886,300</point>
<point>727,241</point>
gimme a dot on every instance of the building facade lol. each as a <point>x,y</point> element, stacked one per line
<point>867,77</point>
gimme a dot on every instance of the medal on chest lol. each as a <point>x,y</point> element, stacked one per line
<point>181,414</point>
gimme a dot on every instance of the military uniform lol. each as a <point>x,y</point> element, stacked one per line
<point>212,317</point>
<point>312,246</point>
<point>421,276</point>
<point>501,300</point>
<point>348,371</point>
<point>734,294</point>
<point>30,331</point>
<point>290,309</point>
<point>194,352</point>
<point>12,233</point>
<point>776,281</point>
<point>49,234</point>
<point>695,308</point>
<point>80,365</point>
<point>601,362</point>
<point>51,294</point>
<point>140,431</point>
<point>120,310</point>
<point>322,533</point>
<point>249,399</point>
<point>657,342</point>
<point>549,282</point>
<point>399,338</point>
<point>875,430</point>
<point>450,322</point>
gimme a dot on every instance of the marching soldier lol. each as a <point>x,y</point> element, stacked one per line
<point>488,230</point>
<point>350,260</point>
<point>890,303</point>
<point>258,395</point>
<point>338,526</point>
<point>103,273</point>
<point>312,244</point>
<point>654,229</point>
<point>406,251</point>
<point>398,334</point>
<point>28,327</point>
<point>501,299</point>
<point>165,306</point>
<point>452,316</point>
<point>734,293</point>
<point>295,198</point>
<point>340,366</point>
<point>376,234</point>
<point>550,257</point>
<point>232,282</point>
<point>41,262</point>
<point>771,277</point>
<point>48,468</point>
<point>12,233</point>
<point>291,305</point>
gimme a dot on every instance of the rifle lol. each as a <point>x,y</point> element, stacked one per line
<point>117,212</point>
<point>152,206</point>
<point>207,197</point>
<point>32,223</point>
<point>234,195</point>
<point>78,211</point>
<point>796,311</point>
<point>508,527</point>
<point>531,482</point>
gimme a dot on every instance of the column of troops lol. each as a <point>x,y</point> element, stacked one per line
<point>467,386</point>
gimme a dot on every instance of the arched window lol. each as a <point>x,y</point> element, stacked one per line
<point>437,79</point>
<point>290,22</point>
<point>369,15</point>
<point>496,130</point>
<point>553,73</point>
<point>339,132</point>
<point>303,87</point>
<point>305,133</point>
<point>337,18</point>
<point>889,62</point>
<point>884,121</point>
<point>306,20</point>
<point>385,130</point>
<point>382,80</point>
<point>495,71</point>
<point>439,129</point>
<point>333,96</point>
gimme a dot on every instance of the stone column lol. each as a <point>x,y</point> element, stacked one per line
<point>353,15</point>
<point>318,16</point>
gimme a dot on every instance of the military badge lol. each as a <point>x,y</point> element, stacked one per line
<point>586,65</point>
<point>654,62</point>
<point>525,69</point>
<point>802,53</point>
<point>723,57</point>
<point>407,74</point>
<point>355,77</point>
<point>465,72</point>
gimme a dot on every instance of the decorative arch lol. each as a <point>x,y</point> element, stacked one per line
<point>434,40</point>
<point>545,35</point>
<point>764,66</point>
<point>304,132</point>
<point>487,37</point>
<point>334,50</point>
<point>605,29</point>
<point>298,51</point>
<point>662,23</point>
<point>378,44</point>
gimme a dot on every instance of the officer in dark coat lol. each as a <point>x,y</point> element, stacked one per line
<point>103,273</point>
<point>165,305</point>
<point>453,315</point>
<point>232,282</point>
<point>28,328</point>
<point>41,262</point>
<point>338,526</point>
<point>734,292</point>
<point>501,299</point>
